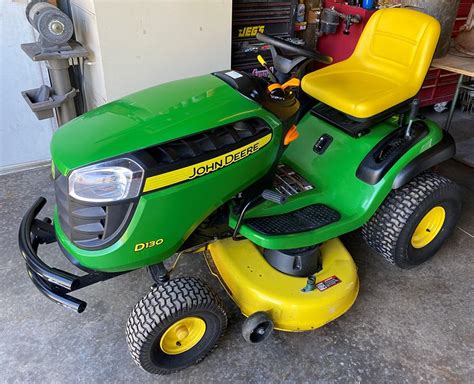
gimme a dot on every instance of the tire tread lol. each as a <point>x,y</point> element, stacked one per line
<point>165,301</point>
<point>383,230</point>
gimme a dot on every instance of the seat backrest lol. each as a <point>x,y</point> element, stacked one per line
<point>399,43</point>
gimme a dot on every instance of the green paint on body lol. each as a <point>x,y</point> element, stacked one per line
<point>334,176</point>
<point>150,117</point>
<point>171,214</point>
<point>147,118</point>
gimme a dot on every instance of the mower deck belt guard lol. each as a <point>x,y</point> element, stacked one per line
<point>54,283</point>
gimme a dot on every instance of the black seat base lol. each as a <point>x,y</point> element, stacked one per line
<point>305,219</point>
<point>352,125</point>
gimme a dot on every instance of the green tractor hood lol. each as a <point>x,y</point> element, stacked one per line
<point>149,117</point>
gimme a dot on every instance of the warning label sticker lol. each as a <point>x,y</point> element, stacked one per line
<point>327,283</point>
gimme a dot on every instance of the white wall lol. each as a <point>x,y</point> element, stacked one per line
<point>141,43</point>
<point>23,138</point>
<point>134,45</point>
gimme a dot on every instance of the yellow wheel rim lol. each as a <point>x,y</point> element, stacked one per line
<point>429,227</point>
<point>182,335</point>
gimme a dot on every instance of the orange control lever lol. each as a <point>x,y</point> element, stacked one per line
<point>293,82</point>
<point>291,135</point>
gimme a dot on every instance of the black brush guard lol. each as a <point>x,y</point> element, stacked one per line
<point>54,283</point>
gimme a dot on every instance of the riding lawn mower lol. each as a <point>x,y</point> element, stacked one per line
<point>261,177</point>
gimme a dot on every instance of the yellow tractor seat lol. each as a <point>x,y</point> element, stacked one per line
<point>387,67</point>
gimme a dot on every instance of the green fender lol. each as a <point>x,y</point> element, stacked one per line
<point>333,175</point>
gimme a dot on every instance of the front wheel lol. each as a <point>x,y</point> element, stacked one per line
<point>414,221</point>
<point>177,324</point>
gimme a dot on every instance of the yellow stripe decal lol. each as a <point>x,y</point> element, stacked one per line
<point>205,167</point>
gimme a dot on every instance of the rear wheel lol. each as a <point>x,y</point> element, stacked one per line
<point>177,324</point>
<point>413,222</point>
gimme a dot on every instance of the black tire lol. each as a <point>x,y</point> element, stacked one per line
<point>257,328</point>
<point>390,230</point>
<point>163,306</point>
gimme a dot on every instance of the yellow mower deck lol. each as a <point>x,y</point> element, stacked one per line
<point>255,285</point>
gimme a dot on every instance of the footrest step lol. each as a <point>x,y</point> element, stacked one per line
<point>302,220</point>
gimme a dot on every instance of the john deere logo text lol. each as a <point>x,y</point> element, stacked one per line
<point>227,160</point>
<point>204,167</point>
<point>251,31</point>
<point>149,244</point>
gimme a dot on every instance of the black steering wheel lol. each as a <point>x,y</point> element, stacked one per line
<point>293,48</point>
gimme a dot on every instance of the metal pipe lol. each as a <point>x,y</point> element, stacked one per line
<point>61,84</point>
<point>453,103</point>
<point>61,278</point>
<point>60,298</point>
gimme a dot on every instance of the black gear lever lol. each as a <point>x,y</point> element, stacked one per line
<point>415,104</point>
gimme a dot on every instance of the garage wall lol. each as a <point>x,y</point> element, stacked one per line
<point>165,40</point>
<point>24,140</point>
<point>133,45</point>
<point>139,44</point>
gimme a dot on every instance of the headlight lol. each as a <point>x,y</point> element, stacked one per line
<point>108,181</point>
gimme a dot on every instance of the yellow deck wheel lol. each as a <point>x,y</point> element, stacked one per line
<point>429,227</point>
<point>182,335</point>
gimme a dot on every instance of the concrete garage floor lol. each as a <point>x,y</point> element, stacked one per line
<point>406,326</point>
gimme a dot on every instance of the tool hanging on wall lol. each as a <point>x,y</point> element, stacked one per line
<point>330,19</point>
<point>57,49</point>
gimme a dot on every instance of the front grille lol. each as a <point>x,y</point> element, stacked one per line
<point>210,142</point>
<point>89,225</point>
<point>202,146</point>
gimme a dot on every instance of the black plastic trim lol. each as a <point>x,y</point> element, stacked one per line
<point>372,169</point>
<point>154,167</point>
<point>354,126</point>
<point>117,216</point>
<point>300,262</point>
<point>301,220</point>
<point>322,144</point>
<point>442,151</point>
<point>54,283</point>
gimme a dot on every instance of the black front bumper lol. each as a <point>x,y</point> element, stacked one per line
<point>54,283</point>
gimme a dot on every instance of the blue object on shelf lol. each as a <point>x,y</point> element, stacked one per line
<point>368,4</point>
